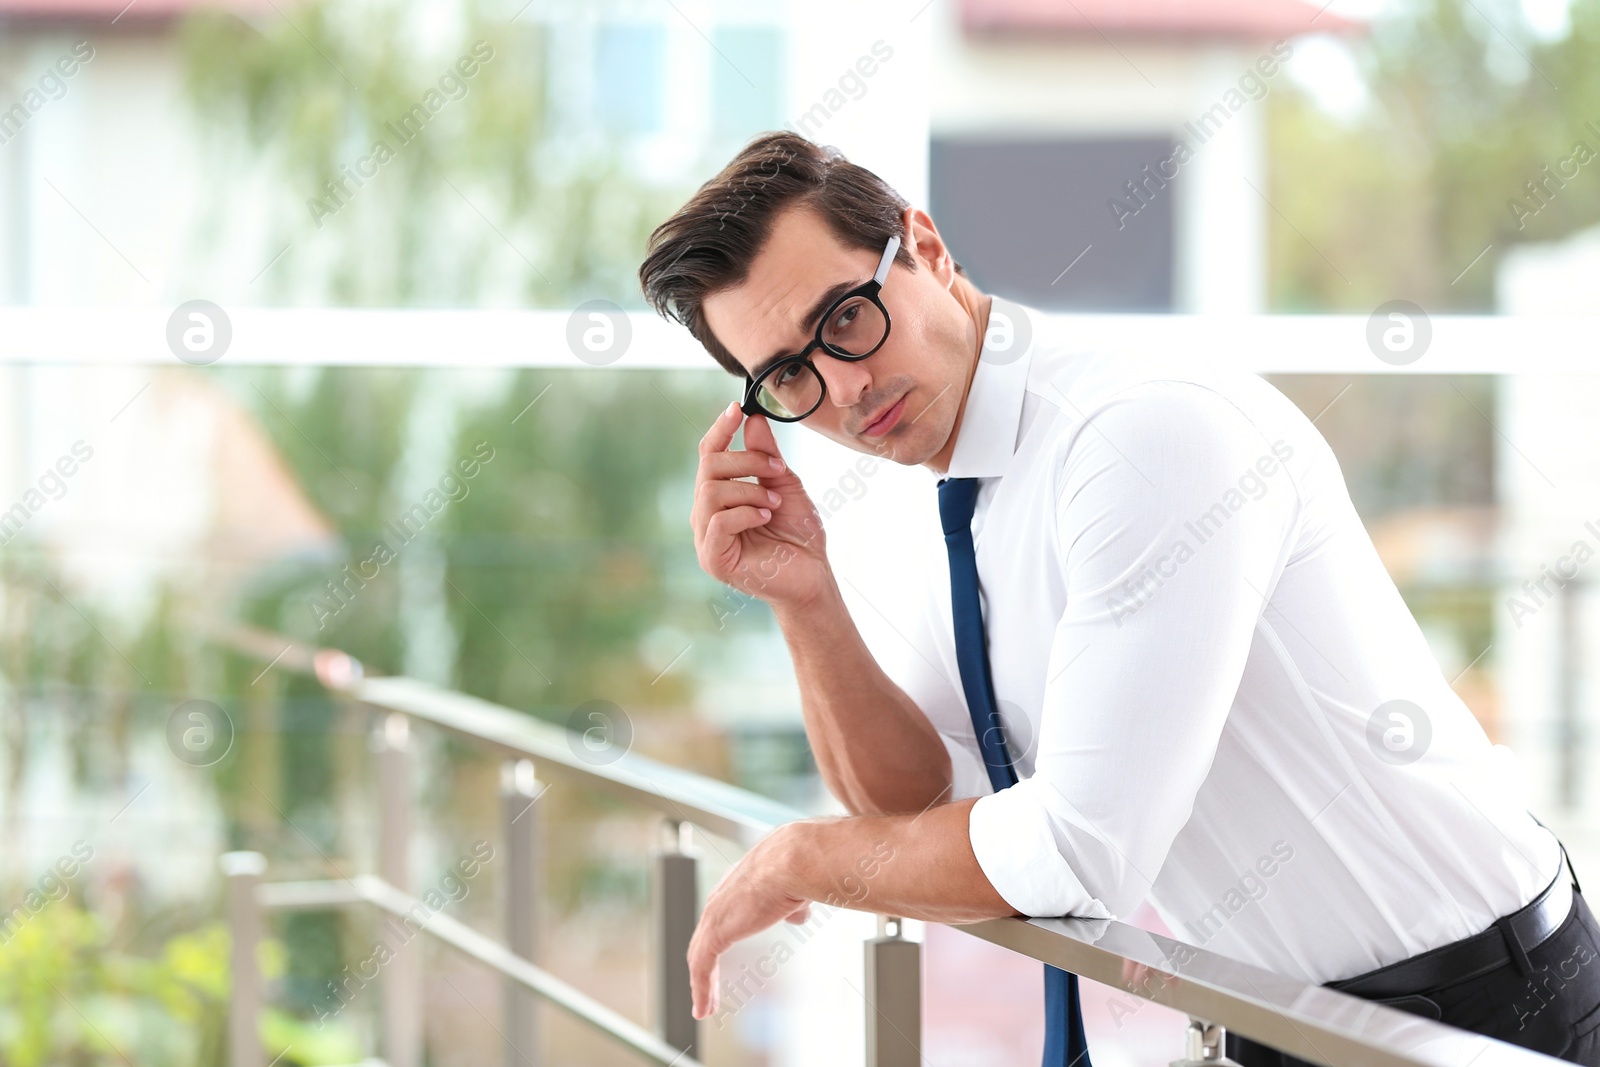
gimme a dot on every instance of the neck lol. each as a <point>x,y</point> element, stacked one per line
<point>976,305</point>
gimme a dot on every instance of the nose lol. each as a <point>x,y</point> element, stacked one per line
<point>847,380</point>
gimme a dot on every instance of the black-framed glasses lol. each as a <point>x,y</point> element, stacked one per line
<point>854,327</point>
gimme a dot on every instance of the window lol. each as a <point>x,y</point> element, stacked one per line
<point>747,80</point>
<point>629,82</point>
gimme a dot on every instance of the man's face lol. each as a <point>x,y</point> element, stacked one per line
<point>923,366</point>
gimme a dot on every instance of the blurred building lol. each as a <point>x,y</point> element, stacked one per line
<point>1549,536</point>
<point>99,161</point>
<point>1111,156</point>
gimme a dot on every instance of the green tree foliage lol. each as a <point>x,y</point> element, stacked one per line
<point>1469,106</point>
<point>556,557</point>
<point>472,197</point>
<point>579,542</point>
<point>70,993</point>
<point>536,588</point>
<point>564,550</point>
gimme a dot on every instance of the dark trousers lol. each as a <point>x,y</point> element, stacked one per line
<point>1555,1009</point>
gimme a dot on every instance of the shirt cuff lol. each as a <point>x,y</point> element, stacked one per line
<point>1011,837</point>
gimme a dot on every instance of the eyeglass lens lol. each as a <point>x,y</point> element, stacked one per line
<point>854,328</point>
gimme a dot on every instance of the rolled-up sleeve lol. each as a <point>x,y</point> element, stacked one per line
<point>1174,515</point>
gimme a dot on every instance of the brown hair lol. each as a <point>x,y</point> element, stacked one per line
<point>708,244</point>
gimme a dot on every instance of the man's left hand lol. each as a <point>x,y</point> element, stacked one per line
<point>754,894</point>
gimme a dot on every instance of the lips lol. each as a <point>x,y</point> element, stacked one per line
<point>886,421</point>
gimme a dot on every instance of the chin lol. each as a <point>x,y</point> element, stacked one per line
<point>908,451</point>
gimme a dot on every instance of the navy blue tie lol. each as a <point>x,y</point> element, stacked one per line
<point>1064,1041</point>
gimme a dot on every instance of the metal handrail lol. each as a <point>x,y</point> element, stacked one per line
<point>1301,1018</point>
<point>369,889</point>
<point>717,807</point>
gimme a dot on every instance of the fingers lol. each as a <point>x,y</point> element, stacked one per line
<point>713,496</point>
<point>744,464</point>
<point>702,979</point>
<point>724,505</point>
<point>726,525</point>
<point>720,436</point>
<point>758,435</point>
<point>714,446</point>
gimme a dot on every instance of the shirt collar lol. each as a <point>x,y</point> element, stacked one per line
<point>987,437</point>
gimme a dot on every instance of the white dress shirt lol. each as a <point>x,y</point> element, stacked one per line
<point>1194,648</point>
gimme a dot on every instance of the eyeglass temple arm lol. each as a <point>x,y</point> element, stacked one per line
<point>882,273</point>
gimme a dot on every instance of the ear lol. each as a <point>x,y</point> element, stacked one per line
<point>928,247</point>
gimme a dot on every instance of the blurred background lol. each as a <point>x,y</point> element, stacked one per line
<point>297,313</point>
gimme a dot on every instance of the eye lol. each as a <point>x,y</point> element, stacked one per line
<point>786,375</point>
<point>846,317</point>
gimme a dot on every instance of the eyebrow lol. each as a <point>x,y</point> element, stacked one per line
<point>824,302</point>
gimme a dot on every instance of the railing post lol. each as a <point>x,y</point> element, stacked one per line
<point>894,997</point>
<point>677,909</point>
<point>1205,1046</point>
<point>242,872</point>
<point>519,788</point>
<point>402,976</point>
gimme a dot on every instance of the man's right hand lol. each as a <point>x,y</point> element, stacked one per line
<point>780,557</point>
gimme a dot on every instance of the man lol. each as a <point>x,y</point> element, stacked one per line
<point>1235,715</point>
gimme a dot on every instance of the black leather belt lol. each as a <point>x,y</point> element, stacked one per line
<point>1511,938</point>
